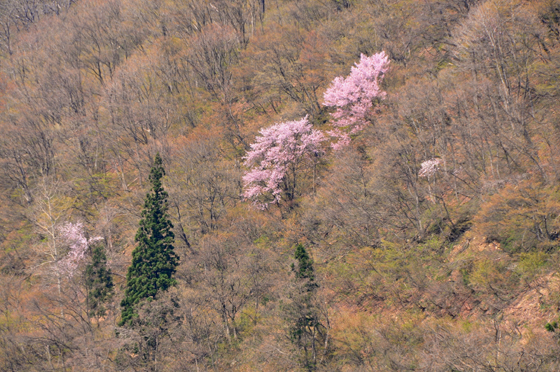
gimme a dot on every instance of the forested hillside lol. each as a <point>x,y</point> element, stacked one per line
<point>306,185</point>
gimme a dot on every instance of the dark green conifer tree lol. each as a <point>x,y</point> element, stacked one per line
<point>99,282</point>
<point>306,330</point>
<point>154,260</point>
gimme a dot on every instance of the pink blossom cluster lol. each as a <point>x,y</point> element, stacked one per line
<point>278,150</point>
<point>430,167</point>
<point>353,96</point>
<point>72,235</point>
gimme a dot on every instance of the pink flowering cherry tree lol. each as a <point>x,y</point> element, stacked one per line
<point>430,167</point>
<point>72,235</point>
<point>353,96</point>
<point>277,159</point>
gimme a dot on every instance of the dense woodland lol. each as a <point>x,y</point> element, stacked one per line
<point>426,238</point>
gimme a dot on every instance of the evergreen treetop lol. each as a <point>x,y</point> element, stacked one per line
<point>304,268</point>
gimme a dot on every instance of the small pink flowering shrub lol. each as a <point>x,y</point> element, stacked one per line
<point>276,160</point>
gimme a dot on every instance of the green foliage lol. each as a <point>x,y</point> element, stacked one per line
<point>530,264</point>
<point>98,282</point>
<point>551,327</point>
<point>522,217</point>
<point>153,261</point>
<point>554,327</point>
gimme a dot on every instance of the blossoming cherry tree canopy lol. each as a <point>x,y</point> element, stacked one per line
<point>430,167</point>
<point>275,159</point>
<point>353,96</point>
<point>74,237</point>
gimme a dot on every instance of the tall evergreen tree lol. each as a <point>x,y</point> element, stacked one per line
<point>99,282</point>
<point>154,260</point>
<point>306,330</point>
